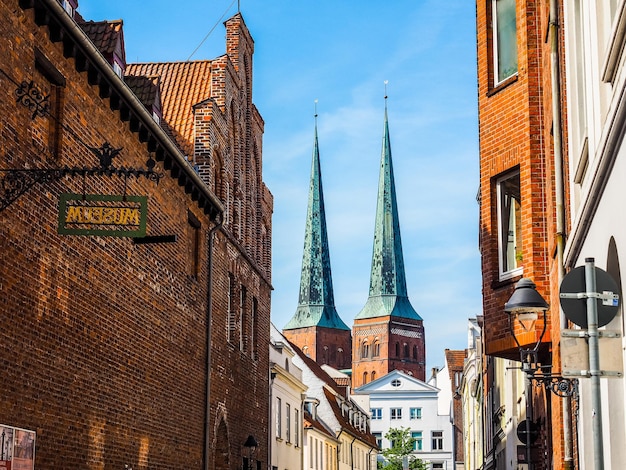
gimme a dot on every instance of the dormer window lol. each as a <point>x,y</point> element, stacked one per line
<point>67,6</point>
<point>117,68</point>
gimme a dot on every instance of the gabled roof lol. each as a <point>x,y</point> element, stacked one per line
<point>345,423</point>
<point>106,35</point>
<point>182,85</point>
<point>146,89</point>
<point>316,302</point>
<point>409,384</point>
<point>333,393</point>
<point>388,293</point>
<point>310,422</point>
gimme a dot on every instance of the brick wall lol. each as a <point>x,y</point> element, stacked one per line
<point>103,342</point>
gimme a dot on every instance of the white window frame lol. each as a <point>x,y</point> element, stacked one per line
<point>415,413</point>
<point>496,48</point>
<point>436,440</point>
<point>506,272</point>
<point>395,413</point>
<point>418,442</point>
<point>377,413</point>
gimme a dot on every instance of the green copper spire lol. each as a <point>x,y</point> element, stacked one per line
<point>316,304</point>
<point>388,295</point>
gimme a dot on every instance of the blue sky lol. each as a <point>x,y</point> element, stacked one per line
<point>340,52</point>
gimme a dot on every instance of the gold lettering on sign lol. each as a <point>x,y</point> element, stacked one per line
<point>102,215</point>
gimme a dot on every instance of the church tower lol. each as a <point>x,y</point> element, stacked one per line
<point>316,327</point>
<point>388,333</point>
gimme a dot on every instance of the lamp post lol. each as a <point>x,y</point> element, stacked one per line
<point>524,307</point>
<point>250,444</point>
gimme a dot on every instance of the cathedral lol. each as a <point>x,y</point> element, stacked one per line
<point>387,334</point>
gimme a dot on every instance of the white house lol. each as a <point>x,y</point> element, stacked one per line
<point>398,400</point>
<point>595,48</point>
<point>337,430</point>
<point>287,392</point>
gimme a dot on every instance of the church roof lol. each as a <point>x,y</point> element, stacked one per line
<point>316,302</point>
<point>388,293</point>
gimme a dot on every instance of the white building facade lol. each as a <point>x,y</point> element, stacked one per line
<point>398,400</point>
<point>596,94</point>
<point>287,392</point>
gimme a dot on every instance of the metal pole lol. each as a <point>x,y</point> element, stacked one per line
<point>529,416</point>
<point>594,363</point>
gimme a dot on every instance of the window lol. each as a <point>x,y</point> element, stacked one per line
<point>364,377</point>
<point>396,413</point>
<point>379,439</point>
<point>377,413</point>
<point>242,317</point>
<point>415,413</point>
<point>417,440</point>
<point>509,225</point>
<point>376,349</point>
<point>373,375</point>
<point>288,417</point>
<point>67,6</point>
<point>55,96</point>
<point>406,350</point>
<point>504,39</point>
<point>279,410</point>
<point>396,383</point>
<point>437,465</point>
<point>231,309</point>
<point>437,438</point>
<point>397,349</point>
<point>415,352</point>
<point>194,244</point>
<point>117,68</point>
<point>365,350</point>
<point>296,427</point>
<point>253,326</point>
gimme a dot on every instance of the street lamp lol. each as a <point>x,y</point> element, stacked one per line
<point>250,444</point>
<point>524,308</point>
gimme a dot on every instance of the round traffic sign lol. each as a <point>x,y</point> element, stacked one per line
<point>575,309</point>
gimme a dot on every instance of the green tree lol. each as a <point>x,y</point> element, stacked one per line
<point>401,447</point>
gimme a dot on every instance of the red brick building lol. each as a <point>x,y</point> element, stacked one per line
<point>149,351</point>
<point>522,219</point>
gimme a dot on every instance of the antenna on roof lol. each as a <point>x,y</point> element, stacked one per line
<point>386,82</point>
<point>315,115</point>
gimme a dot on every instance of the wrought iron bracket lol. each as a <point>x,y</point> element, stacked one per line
<point>14,182</point>
<point>560,386</point>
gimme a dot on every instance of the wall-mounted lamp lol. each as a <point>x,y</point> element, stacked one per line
<point>250,444</point>
<point>524,308</point>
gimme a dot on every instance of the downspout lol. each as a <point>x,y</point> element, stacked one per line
<point>340,447</point>
<point>369,459</point>
<point>209,317</point>
<point>352,453</point>
<point>269,418</point>
<point>568,460</point>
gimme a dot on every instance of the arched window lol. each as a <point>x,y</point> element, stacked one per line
<point>406,350</point>
<point>305,350</point>
<point>397,349</point>
<point>364,378</point>
<point>376,349</point>
<point>373,375</point>
<point>365,350</point>
<point>414,352</point>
